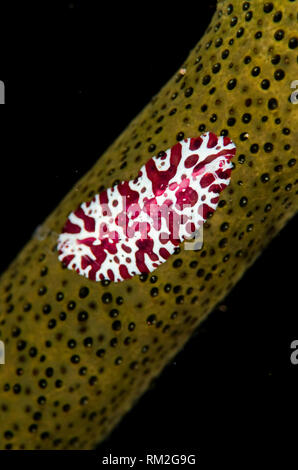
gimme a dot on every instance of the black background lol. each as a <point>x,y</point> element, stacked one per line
<point>76,73</point>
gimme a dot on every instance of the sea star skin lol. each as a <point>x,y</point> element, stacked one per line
<point>136,225</point>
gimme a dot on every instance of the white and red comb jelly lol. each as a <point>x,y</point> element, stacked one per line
<point>135,226</point>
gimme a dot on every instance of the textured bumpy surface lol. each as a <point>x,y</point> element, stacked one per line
<point>136,225</point>
<point>79,353</point>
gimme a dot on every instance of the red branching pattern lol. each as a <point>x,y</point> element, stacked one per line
<point>135,226</point>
